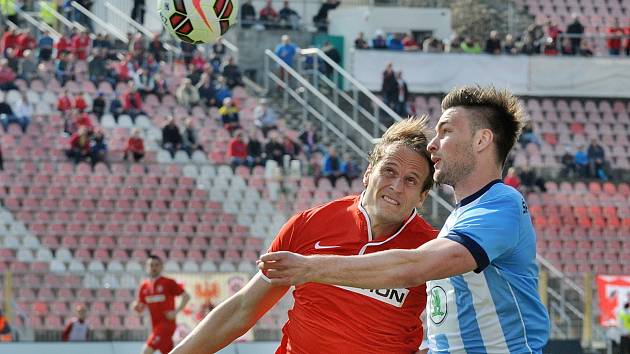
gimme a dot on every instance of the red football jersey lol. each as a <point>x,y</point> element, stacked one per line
<point>336,319</point>
<point>159,295</point>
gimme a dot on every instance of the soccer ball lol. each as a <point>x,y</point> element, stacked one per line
<point>198,21</point>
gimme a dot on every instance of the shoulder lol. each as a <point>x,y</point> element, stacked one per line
<point>421,227</point>
<point>501,197</point>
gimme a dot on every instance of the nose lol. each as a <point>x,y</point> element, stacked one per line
<point>432,147</point>
<point>397,184</point>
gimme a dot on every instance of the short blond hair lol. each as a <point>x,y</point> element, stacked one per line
<point>412,132</point>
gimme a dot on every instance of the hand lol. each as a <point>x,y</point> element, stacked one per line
<point>137,306</point>
<point>285,268</point>
<point>170,315</point>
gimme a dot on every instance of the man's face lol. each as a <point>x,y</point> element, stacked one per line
<point>452,147</point>
<point>394,185</point>
<point>81,313</point>
<point>153,267</point>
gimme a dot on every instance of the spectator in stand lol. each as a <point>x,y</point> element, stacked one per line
<point>23,112</point>
<point>188,50</point>
<point>23,42</point>
<point>530,181</point>
<point>402,97</point>
<point>79,102</point>
<point>585,49</point>
<point>379,41</point>
<point>97,66</point>
<point>268,16</point>
<point>493,44</point>
<point>222,91</point>
<point>156,48</point>
<point>99,149</point>
<point>331,165</point>
<point>512,179</point>
<point>64,68</point>
<point>553,30</point>
<point>64,103</point>
<point>98,106</point>
<point>432,45</point>
<point>568,164</point>
<point>63,46</point>
<point>286,51</point>
<point>6,114</point>
<point>160,86</point>
<point>389,87</point>
<point>409,42</point>
<point>190,143</point>
<point>132,102</point>
<point>81,44</point>
<point>28,66</point>
<point>198,61</point>
<point>135,146</point>
<point>116,106</point>
<point>320,20</point>
<point>291,148</point>
<point>45,47</point>
<point>274,149</point>
<point>360,42</point>
<point>332,52</point>
<point>614,33</point>
<point>471,46</point>
<point>349,168</point>
<point>575,30</point>
<point>82,120</point>
<point>207,93</point>
<point>626,32</point>
<point>248,14</point>
<point>137,12</point>
<point>171,136</point>
<point>80,149</point>
<point>144,82</point>
<point>597,160</point>
<point>528,135</point>
<point>454,44</point>
<point>509,45</point>
<point>394,42</point>
<point>187,95</point>
<point>581,162</point>
<point>237,150</point>
<point>232,73</point>
<point>7,40</point>
<point>82,18</point>
<point>309,139</point>
<point>77,329</point>
<point>254,150</point>
<point>265,117</point>
<point>289,19</point>
<point>7,76</point>
<point>229,115</point>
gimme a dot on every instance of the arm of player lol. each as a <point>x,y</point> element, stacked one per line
<point>232,318</point>
<point>436,259</point>
<point>171,315</point>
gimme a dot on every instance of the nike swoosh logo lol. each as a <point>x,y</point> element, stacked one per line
<point>320,247</point>
<point>197,5</point>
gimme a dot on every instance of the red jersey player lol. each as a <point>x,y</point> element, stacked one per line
<point>158,294</point>
<point>333,319</point>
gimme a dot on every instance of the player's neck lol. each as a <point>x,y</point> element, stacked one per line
<point>479,178</point>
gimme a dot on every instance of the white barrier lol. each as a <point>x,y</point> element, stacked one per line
<point>524,75</point>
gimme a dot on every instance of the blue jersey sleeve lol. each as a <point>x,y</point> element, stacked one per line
<point>489,229</point>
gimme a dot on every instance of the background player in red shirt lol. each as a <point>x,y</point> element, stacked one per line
<point>158,294</point>
<point>333,319</point>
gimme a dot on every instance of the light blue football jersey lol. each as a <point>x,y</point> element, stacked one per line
<point>496,307</point>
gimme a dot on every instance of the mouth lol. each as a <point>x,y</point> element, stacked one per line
<point>436,161</point>
<point>390,200</point>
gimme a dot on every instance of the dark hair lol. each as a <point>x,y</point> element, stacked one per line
<point>412,132</point>
<point>155,257</point>
<point>497,110</point>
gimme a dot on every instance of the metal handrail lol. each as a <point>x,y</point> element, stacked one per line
<point>63,19</point>
<point>138,26</point>
<point>100,22</point>
<point>352,80</point>
<point>319,95</point>
<point>42,26</point>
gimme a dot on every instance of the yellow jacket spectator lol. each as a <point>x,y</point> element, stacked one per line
<point>46,14</point>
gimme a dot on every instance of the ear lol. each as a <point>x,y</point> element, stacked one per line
<point>483,139</point>
<point>366,176</point>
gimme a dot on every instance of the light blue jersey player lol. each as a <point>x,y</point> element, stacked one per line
<point>495,308</point>
<point>482,280</point>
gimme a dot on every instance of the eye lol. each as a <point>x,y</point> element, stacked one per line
<point>412,181</point>
<point>389,171</point>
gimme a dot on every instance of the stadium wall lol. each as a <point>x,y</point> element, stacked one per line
<point>524,75</point>
<point>119,348</point>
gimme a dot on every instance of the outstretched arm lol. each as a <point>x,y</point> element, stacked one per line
<point>436,259</point>
<point>232,318</point>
